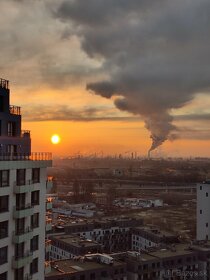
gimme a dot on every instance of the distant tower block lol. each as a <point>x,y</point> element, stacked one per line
<point>203,211</point>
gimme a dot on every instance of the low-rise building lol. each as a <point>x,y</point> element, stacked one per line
<point>87,268</point>
<point>69,246</point>
<point>145,237</point>
<point>113,233</point>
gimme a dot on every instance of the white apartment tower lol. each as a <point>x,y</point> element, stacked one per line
<point>23,185</point>
<point>203,211</point>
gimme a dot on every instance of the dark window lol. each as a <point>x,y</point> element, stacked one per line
<point>207,224</point>
<point>200,211</point>
<point>201,188</point>
<point>35,220</point>
<point>20,201</point>
<point>34,266</point>
<point>82,277</point>
<point>36,175</point>
<point>3,229</point>
<point>4,203</point>
<point>1,103</point>
<point>92,276</point>
<point>207,194</point>
<point>4,178</point>
<point>21,177</point>
<point>35,243</point>
<point>3,255</point>
<point>3,276</point>
<point>207,237</point>
<point>104,274</point>
<point>11,129</point>
<point>35,198</point>
<point>20,226</point>
<point>19,273</point>
<point>19,250</point>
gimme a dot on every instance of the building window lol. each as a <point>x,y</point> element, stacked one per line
<point>35,220</point>
<point>3,276</point>
<point>35,243</point>
<point>20,201</point>
<point>11,129</point>
<point>207,224</point>
<point>200,188</point>
<point>4,203</point>
<point>21,177</point>
<point>36,175</point>
<point>207,237</point>
<point>19,250</point>
<point>34,266</point>
<point>4,178</point>
<point>3,255</point>
<point>20,226</point>
<point>19,273</point>
<point>207,194</point>
<point>35,198</point>
<point>3,230</point>
<point>201,211</point>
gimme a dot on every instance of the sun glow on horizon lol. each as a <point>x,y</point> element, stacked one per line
<point>55,139</point>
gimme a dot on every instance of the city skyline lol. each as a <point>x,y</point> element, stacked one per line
<point>64,57</point>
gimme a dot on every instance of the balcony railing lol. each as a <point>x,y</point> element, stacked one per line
<point>28,187</point>
<point>4,83</point>
<point>22,212</point>
<point>15,110</point>
<point>25,133</point>
<point>22,156</point>
<point>49,182</point>
<point>47,267</point>
<point>23,235</point>
<point>48,225</point>
<point>20,261</point>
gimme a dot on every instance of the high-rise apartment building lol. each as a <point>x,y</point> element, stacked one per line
<point>23,184</point>
<point>203,211</point>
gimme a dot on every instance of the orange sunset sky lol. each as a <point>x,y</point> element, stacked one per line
<point>97,74</point>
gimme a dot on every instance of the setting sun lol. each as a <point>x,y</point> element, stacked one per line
<point>55,139</point>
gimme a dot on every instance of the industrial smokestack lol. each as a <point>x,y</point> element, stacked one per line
<point>148,155</point>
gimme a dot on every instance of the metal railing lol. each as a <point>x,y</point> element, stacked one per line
<point>23,207</point>
<point>15,110</point>
<point>22,232</point>
<point>25,133</point>
<point>23,156</point>
<point>4,83</point>
<point>22,256</point>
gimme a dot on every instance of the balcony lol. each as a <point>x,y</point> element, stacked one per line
<point>25,133</point>
<point>28,277</point>
<point>4,83</point>
<point>15,110</point>
<point>23,212</point>
<point>47,267</point>
<point>20,261</point>
<point>22,156</point>
<point>22,236</point>
<point>47,245</point>
<point>48,225</point>
<point>49,183</point>
<point>48,205</point>
<point>28,187</point>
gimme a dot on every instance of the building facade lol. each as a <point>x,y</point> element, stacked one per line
<point>203,211</point>
<point>23,184</point>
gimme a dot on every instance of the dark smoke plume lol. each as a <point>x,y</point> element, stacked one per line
<point>155,53</point>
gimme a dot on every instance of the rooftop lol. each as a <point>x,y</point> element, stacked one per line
<point>155,231</point>
<point>75,241</point>
<point>72,266</point>
<point>4,83</point>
